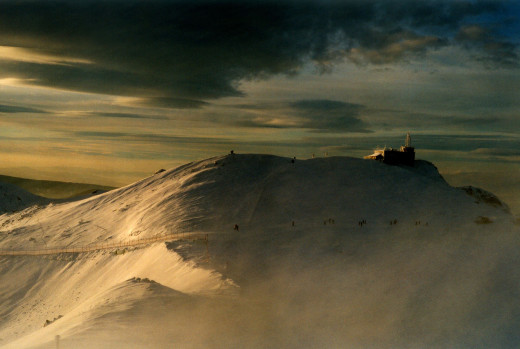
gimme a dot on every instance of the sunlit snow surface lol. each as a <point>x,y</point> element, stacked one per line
<point>432,267</point>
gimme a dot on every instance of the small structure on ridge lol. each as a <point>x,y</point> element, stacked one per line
<point>402,156</point>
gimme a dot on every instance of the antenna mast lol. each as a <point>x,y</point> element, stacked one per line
<point>408,142</point>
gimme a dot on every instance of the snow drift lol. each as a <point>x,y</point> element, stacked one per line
<point>330,252</point>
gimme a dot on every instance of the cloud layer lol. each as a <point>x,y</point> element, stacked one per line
<point>181,54</point>
<point>316,115</point>
<point>4,108</point>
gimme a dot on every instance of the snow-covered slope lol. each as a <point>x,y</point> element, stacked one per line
<point>302,271</point>
<point>255,192</point>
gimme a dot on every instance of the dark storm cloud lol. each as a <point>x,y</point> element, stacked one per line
<point>330,116</point>
<point>320,115</point>
<point>17,109</point>
<point>181,54</point>
<point>493,50</point>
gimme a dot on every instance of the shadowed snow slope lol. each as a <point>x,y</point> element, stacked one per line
<point>13,198</point>
<point>431,266</point>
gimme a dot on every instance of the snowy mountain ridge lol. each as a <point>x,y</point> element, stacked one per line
<point>379,239</point>
<point>252,191</point>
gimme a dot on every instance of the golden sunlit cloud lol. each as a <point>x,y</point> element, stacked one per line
<point>21,54</point>
<point>15,82</point>
<point>128,101</point>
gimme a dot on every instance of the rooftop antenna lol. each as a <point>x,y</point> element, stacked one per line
<point>408,142</point>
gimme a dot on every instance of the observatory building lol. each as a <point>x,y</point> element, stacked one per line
<point>402,156</point>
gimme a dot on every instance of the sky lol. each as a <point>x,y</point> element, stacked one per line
<point>111,91</point>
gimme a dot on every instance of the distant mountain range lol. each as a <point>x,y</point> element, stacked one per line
<point>54,189</point>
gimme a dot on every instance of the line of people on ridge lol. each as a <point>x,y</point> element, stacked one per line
<point>329,221</point>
